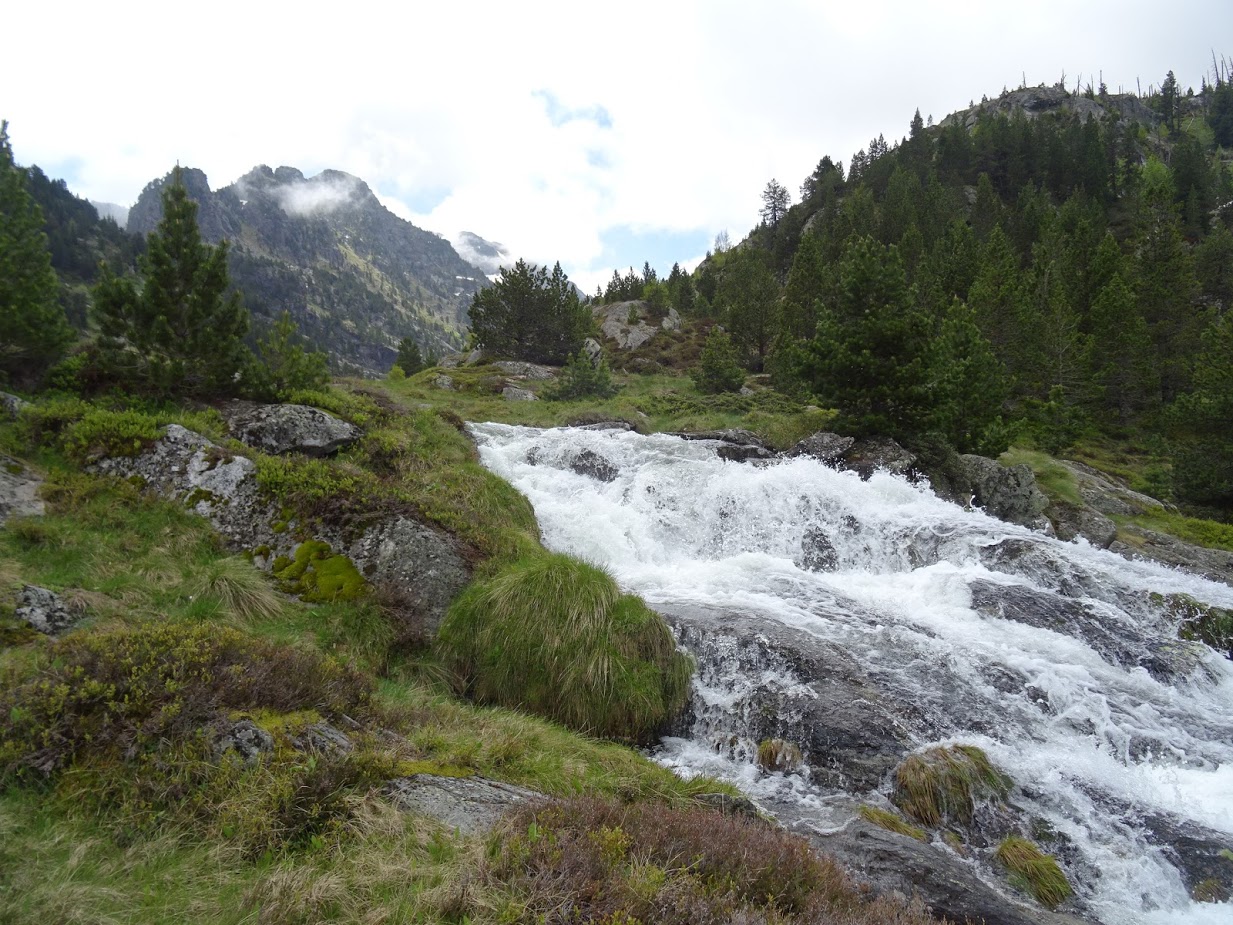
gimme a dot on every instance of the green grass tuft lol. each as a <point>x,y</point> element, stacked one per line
<point>944,783</point>
<point>1033,871</point>
<point>555,636</point>
<point>891,822</point>
<point>243,592</point>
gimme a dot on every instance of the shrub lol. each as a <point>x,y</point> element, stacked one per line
<point>719,369</point>
<point>592,860</point>
<point>582,379</point>
<point>101,434</point>
<point>126,691</point>
<point>555,636</point>
<point>1033,871</point>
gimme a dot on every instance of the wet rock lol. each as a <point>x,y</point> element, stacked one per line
<point>878,454</point>
<point>44,611</point>
<point>243,739</point>
<point>19,490</point>
<point>823,446</point>
<point>1072,521</point>
<point>817,552</point>
<point>519,370</point>
<point>778,682</point>
<point>1006,492</point>
<point>513,393</point>
<point>734,436</point>
<point>1201,855</point>
<point>1103,493</point>
<point>740,454</point>
<point>604,425</point>
<point>469,804</point>
<point>1136,542</point>
<point>950,886</point>
<point>281,429</point>
<point>591,464</point>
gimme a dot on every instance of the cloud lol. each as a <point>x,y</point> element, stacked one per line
<point>559,113</point>
<point>318,196</point>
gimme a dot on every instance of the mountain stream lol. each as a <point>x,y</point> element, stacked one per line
<point>864,620</point>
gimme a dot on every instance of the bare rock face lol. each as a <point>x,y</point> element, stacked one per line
<point>469,804</point>
<point>878,454</point>
<point>19,490</point>
<point>625,323</point>
<point>44,611</point>
<point>281,429</point>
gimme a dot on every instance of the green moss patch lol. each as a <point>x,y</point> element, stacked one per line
<point>316,575</point>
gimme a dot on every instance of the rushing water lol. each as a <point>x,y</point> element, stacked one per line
<point>1096,737</point>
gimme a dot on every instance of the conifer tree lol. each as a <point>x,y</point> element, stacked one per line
<point>1123,363</point>
<point>1203,445</point>
<point>968,383</point>
<point>33,328</point>
<point>410,360</point>
<point>718,370</point>
<point>286,366</point>
<point>530,314</point>
<point>178,333</point>
<point>749,297</point>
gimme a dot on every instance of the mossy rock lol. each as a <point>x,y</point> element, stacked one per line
<point>1212,626</point>
<point>318,576</point>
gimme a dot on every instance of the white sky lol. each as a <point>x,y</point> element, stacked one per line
<point>600,135</point>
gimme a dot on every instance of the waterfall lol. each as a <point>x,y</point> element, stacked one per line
<point>923,623</point>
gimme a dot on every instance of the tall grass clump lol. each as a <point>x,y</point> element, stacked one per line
<point>944,783</point>
<point>555,636</point>
<point>1033,871</point>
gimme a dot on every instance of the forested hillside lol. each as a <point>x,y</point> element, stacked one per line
<point>1037,267</point>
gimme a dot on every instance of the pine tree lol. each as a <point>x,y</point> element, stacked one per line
<point>33,329</point>
<point>870,356</point>
<point>1203,445</point>
<point>179,333</point>
<point>1123,363</point>
<point>529,314</point>
<point>968,383</point>
<point>410,360</point>
<point>775,202</point>
<point>749,297</point>
<point>718,370</point>
<point>286,367</point>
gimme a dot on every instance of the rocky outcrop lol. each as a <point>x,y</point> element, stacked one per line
<point>244,740</point>
<point>417,566</point>
<point>470,805</point>
<point>625,323</point>
<point>11,405</point>
<point>1006,492</point>
<point>281,429</point>
<point>1216,564</point>
<point>1033,102</point>
<point>19,490</point>
<point>823,446</point>
<point>44,611</point>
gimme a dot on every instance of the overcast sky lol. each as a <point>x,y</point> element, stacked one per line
<point>599,135</point>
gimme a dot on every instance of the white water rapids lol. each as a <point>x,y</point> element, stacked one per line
<point>1094,741</point>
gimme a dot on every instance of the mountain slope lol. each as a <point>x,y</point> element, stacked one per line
<point>354,276</point>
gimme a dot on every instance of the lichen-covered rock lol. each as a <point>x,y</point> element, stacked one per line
<point>594,351</point>
<point>513,393</point>
<point>532,371</point>
<point>1006,492</point>
<point>623,323</point>
<point>445,382</point>
<point>44,611</point>
<point>218,485</point>
<point>323,739</point>
<point>672,322</point>
<point>11,405</point>
<point>19,490</point>
<point>244,740</point>
<point>419,567</point>
<point>280,429</point>
<point>471,805</point>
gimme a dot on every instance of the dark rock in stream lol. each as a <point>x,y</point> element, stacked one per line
<point>800,689</point>
<point>1202,856</point>
<point>590,463</point>
<point>818,552</point>
<point>948,885</point>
